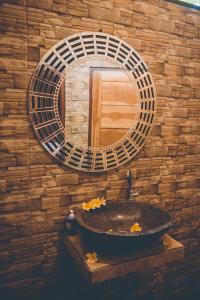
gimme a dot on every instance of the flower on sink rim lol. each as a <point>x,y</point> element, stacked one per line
<point>135,228</point>
<point>94,203</point>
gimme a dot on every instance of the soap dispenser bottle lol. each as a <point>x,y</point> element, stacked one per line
<point>70,223</point>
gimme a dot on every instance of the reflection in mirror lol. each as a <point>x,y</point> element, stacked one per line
<point>97,104</point>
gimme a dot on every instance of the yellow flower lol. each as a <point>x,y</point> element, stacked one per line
<point>86,206</point>
<point>94,203</point>
<point>135,228</point>
<point>91,258</point>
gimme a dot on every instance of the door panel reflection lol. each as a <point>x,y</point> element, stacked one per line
<point>113,106</point>
<point>97,104</point>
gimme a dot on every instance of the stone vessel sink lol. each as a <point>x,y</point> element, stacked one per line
<point>109,226</point>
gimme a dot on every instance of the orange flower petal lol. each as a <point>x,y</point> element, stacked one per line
<point>135,228</point>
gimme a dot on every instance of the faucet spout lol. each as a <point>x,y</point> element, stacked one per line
<point>129,177</point>
<point>131,195</point>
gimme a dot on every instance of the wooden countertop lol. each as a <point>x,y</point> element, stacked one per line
<point>113,265</point>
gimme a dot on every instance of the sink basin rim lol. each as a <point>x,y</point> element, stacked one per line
<point>149,232</point>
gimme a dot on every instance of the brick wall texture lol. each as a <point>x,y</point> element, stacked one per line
<point>36,191</point>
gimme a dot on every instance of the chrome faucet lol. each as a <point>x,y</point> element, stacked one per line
<point>131,195</point>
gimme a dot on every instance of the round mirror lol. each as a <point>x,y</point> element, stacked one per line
<point>92,101</point>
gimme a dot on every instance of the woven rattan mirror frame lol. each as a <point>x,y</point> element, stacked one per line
<point>43,100</point>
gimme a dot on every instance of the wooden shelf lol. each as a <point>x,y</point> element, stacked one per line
<point>115,265</point>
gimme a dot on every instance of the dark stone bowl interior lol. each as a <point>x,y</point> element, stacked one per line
<point>120,216</point>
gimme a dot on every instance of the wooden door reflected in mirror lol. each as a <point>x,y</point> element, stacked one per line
<point>97,104</point>
<point>113,106</point>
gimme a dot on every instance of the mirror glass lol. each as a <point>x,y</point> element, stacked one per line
<point>97,103</point>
